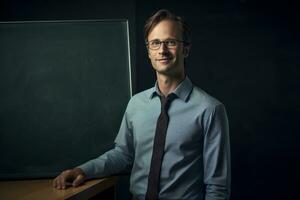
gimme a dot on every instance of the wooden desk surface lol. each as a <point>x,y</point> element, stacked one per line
<point>42,189</point>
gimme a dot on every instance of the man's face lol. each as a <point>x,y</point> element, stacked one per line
<point>167,60</point>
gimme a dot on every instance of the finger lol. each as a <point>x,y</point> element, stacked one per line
<point>54,184</point>
<point>65,177</point>
<point>61,181</point>
<point>58,184</point>
<point>79,179</point>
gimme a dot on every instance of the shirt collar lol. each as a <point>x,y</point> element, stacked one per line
<point>182,91</point>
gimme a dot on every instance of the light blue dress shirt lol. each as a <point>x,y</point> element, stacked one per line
<point>196,162</point>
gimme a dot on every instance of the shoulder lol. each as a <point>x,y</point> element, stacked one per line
<point>140,99</point>
<point>209,107</point>
<point>204,99</point>
<point>142,96</point>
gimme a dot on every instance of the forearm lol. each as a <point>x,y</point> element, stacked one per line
<point>112,162</point>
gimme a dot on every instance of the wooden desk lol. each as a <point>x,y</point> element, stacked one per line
<point>42,189</point>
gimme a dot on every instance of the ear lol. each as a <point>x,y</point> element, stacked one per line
<point>149,54</point>
<point>186,51</point>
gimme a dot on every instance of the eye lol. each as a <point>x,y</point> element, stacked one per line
<point>155,43</point>
<point>171,42</point>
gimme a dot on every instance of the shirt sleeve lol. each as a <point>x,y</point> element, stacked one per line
<point>216,155</point>
<point>117,160</point>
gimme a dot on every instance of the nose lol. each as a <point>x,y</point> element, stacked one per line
<point>163,48</point>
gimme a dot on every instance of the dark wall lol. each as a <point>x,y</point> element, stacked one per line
<point>246,54</point>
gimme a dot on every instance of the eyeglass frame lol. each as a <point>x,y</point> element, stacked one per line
<point>164,42</point>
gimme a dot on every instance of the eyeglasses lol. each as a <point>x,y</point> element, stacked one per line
<point>170,43</point>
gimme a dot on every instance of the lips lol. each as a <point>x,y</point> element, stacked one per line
<point>164,59</point>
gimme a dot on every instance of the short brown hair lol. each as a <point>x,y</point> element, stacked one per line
<point>167,15</point>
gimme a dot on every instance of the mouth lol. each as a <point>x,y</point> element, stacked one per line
<point>164,60</point>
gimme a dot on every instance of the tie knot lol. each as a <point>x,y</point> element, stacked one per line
<point>166,101</point>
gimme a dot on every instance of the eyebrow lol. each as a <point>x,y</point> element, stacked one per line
<point>164,39</point>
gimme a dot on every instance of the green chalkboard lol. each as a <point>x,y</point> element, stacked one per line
<point>64,86</point>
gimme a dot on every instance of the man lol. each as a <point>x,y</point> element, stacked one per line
<point>173,137</point>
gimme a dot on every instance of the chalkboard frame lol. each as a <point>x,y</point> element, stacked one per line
<point>48,174</point>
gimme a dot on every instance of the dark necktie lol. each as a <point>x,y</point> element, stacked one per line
<point>158,148</point>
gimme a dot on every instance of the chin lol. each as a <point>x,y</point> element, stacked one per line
<point>165,67</point>
<point>166,71</point>
<point>162,69</point>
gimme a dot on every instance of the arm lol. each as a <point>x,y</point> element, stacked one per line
<point>216,155</point>
<point>117,160</point>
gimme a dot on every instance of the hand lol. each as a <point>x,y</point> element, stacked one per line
<point>72,177</point>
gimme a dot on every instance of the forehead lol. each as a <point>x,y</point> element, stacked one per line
<point>164,30</point>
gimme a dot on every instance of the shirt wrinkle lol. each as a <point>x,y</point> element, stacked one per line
<point>191,147</point>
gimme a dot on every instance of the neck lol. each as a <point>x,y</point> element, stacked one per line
<point>168,84</point>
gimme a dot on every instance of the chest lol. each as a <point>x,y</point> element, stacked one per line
<point>184,129</point>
